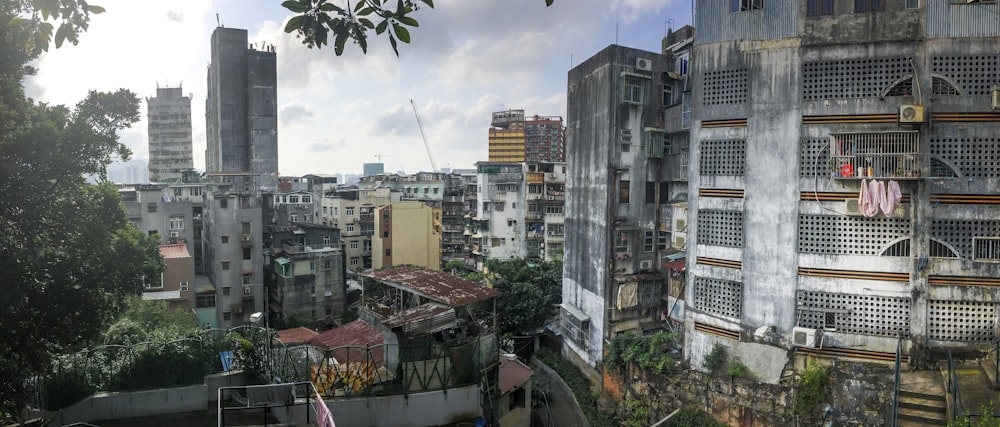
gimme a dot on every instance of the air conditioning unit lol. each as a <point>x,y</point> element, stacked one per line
<point>175,234</point>
<point>679,242</point>
<point>643,64</point>
<point>646,265</point>
<point>247,290</point>
<point>805,337</point>
<point>680,224</point>
<point>246,237</point>
<point>626,135</point>
<point>995,98</point>
<point>851,207</point>
<point>551,197</point>
<point>911,114</point>
<point>300,206</point>
<point>239,310</point>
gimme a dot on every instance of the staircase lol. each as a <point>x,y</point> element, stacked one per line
<point>922,399</point>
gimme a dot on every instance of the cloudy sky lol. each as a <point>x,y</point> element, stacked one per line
<point>467,59</point>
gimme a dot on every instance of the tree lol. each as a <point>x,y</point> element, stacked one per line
<point>70,257</point>
<point>530,293</point>
<point>315,20</point>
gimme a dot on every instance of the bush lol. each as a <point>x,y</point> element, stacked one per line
<point>689,417</point>
<point>810,390</point>
<point>649,352</point>
<point>737,369</point>
<point>715,359</point>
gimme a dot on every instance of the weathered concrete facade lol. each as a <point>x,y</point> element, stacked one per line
<point>169,131</point>
<point>613,191</point>
<point>775,241</point>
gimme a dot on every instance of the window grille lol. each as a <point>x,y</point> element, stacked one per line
<point>722,228</point>
<point>718,297</point>
<point>975,75</point>
<point>893,155</point>
<point>855,314</point>
<point>634,88</point>
<point>969,321</point>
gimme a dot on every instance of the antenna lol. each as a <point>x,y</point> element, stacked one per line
<point>217,23</point>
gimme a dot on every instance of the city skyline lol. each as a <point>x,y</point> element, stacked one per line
<point>335,113</point>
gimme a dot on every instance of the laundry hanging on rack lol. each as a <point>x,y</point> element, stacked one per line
<point>868,200</point>
<point>893,197</point>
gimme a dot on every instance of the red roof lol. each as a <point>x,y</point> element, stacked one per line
<point>178,250</point>
<point>299,335</point>
<point>513,374</point>
<point>438,286</point>
<point>347,341</point>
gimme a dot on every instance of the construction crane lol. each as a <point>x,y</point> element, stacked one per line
<point>423,135</point>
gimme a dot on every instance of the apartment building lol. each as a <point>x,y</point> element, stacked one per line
<point>306,274</point>
<point>407,233</point>
<point>168,115</point>
<point>514,137</point>
<point>352,211</point>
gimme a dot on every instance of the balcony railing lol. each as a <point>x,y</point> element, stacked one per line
<point>884,155</point>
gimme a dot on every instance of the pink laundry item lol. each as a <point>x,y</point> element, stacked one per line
<point>867,203</point>
<point>881,201</point>
<point>876,193</point>
<point>893,197</point>
<point>863,196</point>
<point>323,416</point>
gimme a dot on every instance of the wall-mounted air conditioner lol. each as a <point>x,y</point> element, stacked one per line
<point>679,242</point>
<point>552,176</point>
<point>175,234</point>
<point>911,114</point>
<point>646,265</point>
<point>643,64</point>
<point>851,207</point>
<point>805,337</point>
<point>247,290</point>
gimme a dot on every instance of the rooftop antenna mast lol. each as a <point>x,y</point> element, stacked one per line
<point>217,23</point>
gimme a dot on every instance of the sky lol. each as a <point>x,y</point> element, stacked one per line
<point>467,59</point>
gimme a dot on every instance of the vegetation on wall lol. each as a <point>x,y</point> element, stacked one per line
<point>578,384</point>
<point>715,360</point>
<point>810,390</point>
<point>648,352</point>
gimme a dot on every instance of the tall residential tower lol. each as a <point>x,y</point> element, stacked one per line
<point>169,118</point>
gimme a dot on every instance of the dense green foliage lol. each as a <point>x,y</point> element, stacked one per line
<point>715,360</point>
<point>648,352</point>
<point>70,257</point>
<point>738,369</point>
<point>531,293</point>
<point>315,21</point>
<point>810,391</point>
<point>578,384</point>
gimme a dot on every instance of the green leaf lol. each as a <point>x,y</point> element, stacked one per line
<point>294,24</point>
<point>402,33</point>
<point>359,6</point>
<point>339,44</point>
<point>548,3</point>
<point>382,26</point>
<point>96,10</point>
<point>366,11</point>
<point>61,35</point>
<point>408,21</point>
<point>366,22</point>
<point>429,3</point>
<point>295,6</point>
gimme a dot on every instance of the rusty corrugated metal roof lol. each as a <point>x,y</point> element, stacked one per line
<point>297,335</point>
<point>513,374</point>
<point>435,285</point>
<point>347,342</point>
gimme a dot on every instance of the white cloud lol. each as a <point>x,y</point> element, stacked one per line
<point>296,112</point>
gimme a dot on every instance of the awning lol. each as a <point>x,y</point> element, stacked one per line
<point>676,265</point>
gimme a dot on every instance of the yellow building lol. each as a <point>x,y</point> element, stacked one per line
<point>407,233</point>
<point>507,137</point>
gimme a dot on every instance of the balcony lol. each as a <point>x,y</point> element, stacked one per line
<point>878,155</point>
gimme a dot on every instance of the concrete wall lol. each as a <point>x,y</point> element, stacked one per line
<point>414,410</point>
<point>109,406</point>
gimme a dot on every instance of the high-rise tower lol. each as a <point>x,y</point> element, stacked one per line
<point>169,131</point>
<point>241,111</point>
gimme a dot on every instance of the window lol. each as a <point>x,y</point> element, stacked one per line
<point>246,227</point>
<point>741,5</point>
<point>225,239</point>
<point>227,316</point>
<point>650,192</point>
<point>328,311</point>
<point>195,191</point>
<point>177,192</point>
<point>184,285</point>
<point>435,190</point>
<point>385,234</point>
<point>819,7</point>
<point>634,87</point>
<point>626,147</point>
<point>553,209</point>
<point>681,65</point>
<point>225,291</point>
<point>511,222</point>
<point>663,241</point>
<point>349,211</point>
<point>388,252</point>
<point>327,264</point>
<point>350,228</point>
<point>247,279</point>
<point>326,240</point>
<point>152,232</point>
<point>150,207</point>
<point>621,242</point>
<point>312,265</point>
<point>293,199</point>
<point>668,94</point>
<point>647,241</point>
<point>354,261</point>
<point>368,246</point>
<point>354,244</point>
<point>204,301</point>
<point>623,190</point>
<point>225,265</point>
<point>307,199</point>
<point>246,253</point>
<point>867,6</point>
<point>534,188</point>
<point>293,217</point>
<point>177,223</point>
<point>223,203</point>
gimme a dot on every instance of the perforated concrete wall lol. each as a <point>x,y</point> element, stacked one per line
<point>719,297</point>
<point>814,155</point>
<point>723,87</point>
<point>974,157</point>
<point>975,75</point>
<point>856,314</point>
<point>849,235</point>
<point>851,78</point>
<point>962,320</point>
<point>959,233</point>
<point>722,228</point>
<point>725,157</point>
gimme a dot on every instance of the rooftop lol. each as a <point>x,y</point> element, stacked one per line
<point>178,250</point>
<point>435,285</point>
<point>299,335</point>
<point>355,334</point>
<point>513,374</point>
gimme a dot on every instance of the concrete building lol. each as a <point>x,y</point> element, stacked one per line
<point>407,233</point>
<point>173,212</point>
<point>233,248</point>
<point>515,138</point>
<point>369,169</point>
<point>353,212</point>
<point>168,115</point>
<point>175,284</point>
<point>786,254</point>
<point>521,214</point>
<point>241,111</point>
<point>306,274</point>
<point>615,186</point>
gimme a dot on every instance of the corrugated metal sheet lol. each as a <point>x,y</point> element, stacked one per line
<point>961,20</point>
<point>715,22</point>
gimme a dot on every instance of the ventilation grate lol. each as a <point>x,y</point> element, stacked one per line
<point>722,228</point>
<point>718,297</point>
<point>855,314</point>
